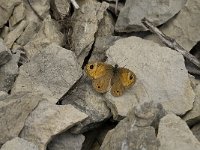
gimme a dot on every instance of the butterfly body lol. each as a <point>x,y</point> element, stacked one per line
<point>105,76</point>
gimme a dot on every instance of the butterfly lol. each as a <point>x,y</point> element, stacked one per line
<point>105,75</point>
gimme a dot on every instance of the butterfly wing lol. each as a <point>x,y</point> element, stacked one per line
<point>124,78</point>
<point>101,74</point>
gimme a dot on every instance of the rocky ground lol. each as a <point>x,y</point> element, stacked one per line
<point>47,101</point>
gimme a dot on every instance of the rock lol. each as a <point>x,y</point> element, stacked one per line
<point>173,133</point>
<point>14,111</point>
<point>66,141</point>
<point>128,134</point>
<point>6,10</point>
<point>193,116</point>
<point>3,95</point>
<point>9,72</point>
<point>84,98</point>
<point>158,11</point>
<point>5,54</point>
<point>48,120</point>
<point>160,72</point>
<point>195,130</point>
<point>29,32</point>
<point>51,72</point>
<point>184,28</point>
<point>60,8</point>
<point>14,34</point>
<point>40,6</point>
<point>19,144</point>
<point>4,32</point>
<point>18,15</point>
<point>49,33</point>
<point>86,20</point>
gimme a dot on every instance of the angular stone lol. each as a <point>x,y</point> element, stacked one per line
<point>3,95</point>
<point>161,76</point>
<point>193,116</point>
<point>158,11</point>
<point>184,28</point>
<point>128,134</point>
<point>173,133</point>
<point>5,54</point>
<point>84,98</point>
<point>51,72</point>
<point>48,120</point>
<point>19,144</point>
<point>29,32</point>
<point>18,15</point>
<point>49,33</point>
<point>9,72</point>
<point>14,34</point>
<point>14,111</point>
<point>86,20</point>
<point>60,8</point>
<point>6,10</point>
<point>4,32</point>
<point>40,6</point>
<point>66,141</point>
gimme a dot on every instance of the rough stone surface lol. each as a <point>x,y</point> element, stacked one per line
<point>84,98</point>
<point>6,10</point>
<point>14,34</point>
<point>9,72</point>
<point>195,130</point>
<point>48,120</point>
<point>51,72</point>
<point>29,32</point>
<point>5,54</point>
<point>5,30</point>
<point>134,132</point>
<point>3,94</point>
<point>158,11</point>
<point>193,116</point>
<point>49,33</point>
<point>184,28</point>
<point>41,7</point>
<point>173,133</point>
<point>18,15</point>
<point>66,141</point>
<point>86,20</point>
<point>160,72</point>
<point>14,110</point>
<point>19,144</point>
<point>60,8</point>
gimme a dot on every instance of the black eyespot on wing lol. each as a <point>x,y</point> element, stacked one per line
<point>131,77</point>
<point>98,87</point>
<point>117,91</point>
<point>91,66</point>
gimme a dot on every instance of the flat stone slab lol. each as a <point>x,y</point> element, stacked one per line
<point>160,72</point>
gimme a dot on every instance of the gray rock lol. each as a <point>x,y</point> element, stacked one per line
<point>86,20</point>
<point>84,98</point>
<point>129,134</point>
<point>48,120</point>
<point>19,144</point>
<point>193,116</point>
<point>29,32</point>
<point>6,10</point>
<point>9,72</point>
<point>158,11</point>
<point>3,94</point>
<point>160,72</point>
<point>40,6</point>
<point>49,33</point>
<point>173,133</point>
<point>18,14</point>
<point>5,54</point>
<point>66,141</point>
<point>4,32</point>
<point>14,34</point>
<point>14,111</point>
<point>184,28</point>
<point>195,130</point>
<point>60,8</point>
<point>51,72</point>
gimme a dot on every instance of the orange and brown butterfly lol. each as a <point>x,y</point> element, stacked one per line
<point>105,75</point>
